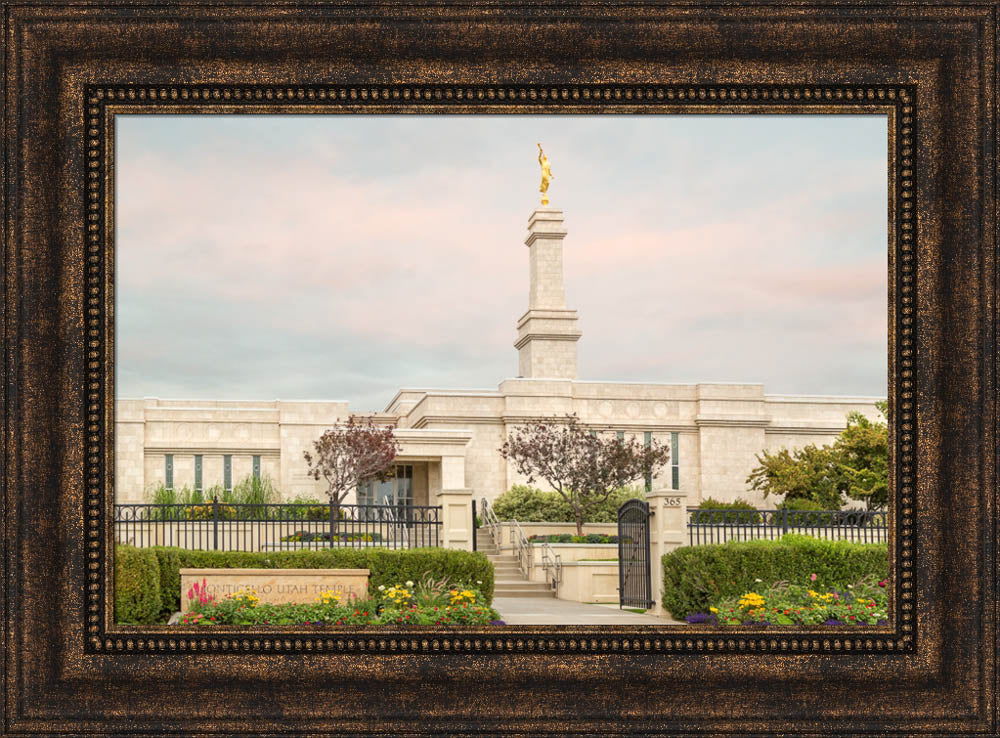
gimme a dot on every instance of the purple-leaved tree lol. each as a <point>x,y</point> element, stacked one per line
<point>350,454</point>
<point>583,468</point>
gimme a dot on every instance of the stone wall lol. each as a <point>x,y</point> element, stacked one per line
<point>456,435</point>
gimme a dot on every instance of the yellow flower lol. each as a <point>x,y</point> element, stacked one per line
<point>713,609</point>
<point>751,600</point>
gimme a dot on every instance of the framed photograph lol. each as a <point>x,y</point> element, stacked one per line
<point>636,369</point>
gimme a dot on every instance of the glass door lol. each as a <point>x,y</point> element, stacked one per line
<point>397,491</point>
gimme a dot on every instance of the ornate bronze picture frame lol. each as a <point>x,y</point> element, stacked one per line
<point>69,68</point>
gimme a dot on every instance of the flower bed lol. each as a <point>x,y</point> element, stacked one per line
<point>862,603</point>
<point>570,538</point>
<point>309,536</point>
<point>427,603</point>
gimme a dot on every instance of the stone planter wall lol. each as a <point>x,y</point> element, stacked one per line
<point>571,553</point>
<point>589,581</point>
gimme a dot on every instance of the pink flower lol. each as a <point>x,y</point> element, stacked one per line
<point>812,577</point>
<point>201,592</point>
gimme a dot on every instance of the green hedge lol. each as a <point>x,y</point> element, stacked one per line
<point>695,577</point>
<point>387,567</point>
<point>137,590</point>
<point>527,504</point>
<point>739,504</point>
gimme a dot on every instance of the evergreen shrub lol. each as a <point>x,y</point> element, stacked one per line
<point>727,517</point>
<point>807,509</point>
<point>137,586</point>
<point>530,505</point>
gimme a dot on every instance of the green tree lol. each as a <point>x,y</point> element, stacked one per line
<point>856,465</point>
<point>863,457</point>
<point>808,473</point>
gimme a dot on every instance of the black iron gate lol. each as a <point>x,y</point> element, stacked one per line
<point>634,584</point>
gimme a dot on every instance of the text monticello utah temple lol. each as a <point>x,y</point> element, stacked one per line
<point>449,438</point>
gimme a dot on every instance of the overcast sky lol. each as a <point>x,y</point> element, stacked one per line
<point>344,257</point>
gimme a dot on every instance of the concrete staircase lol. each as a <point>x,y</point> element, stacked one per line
<point>508,581</point>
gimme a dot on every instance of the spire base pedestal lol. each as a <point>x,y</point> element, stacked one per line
<point>547,332</point>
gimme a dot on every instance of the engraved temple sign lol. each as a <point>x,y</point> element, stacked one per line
<point>300,586</point>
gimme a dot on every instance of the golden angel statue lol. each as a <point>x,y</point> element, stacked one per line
<point>547,175</point>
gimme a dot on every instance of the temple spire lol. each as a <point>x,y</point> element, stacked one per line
<point>547,332</point>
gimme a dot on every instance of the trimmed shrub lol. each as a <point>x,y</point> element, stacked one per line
<point>808,510</point>
<point>387,567</point>
<point>137,586</point>
<point>529,505</point>
<point>169,565</point>
<point>800,503</point>
<point>738,504</point>
<point>695,577</point>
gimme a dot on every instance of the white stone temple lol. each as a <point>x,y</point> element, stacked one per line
<point>450,437</point>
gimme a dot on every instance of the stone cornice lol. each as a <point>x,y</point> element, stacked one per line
<point>471,420</point>
<point>273,451</point>
<point>526,338</point>
<point>738,421</point>
<point>806,430</point>
<point>535,235</point>
<point>435,436</point>
<point>632,425</point>
<point>823,399</point>
<point>548,314</point>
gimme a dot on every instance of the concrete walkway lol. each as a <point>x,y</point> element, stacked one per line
<point>550,611</point>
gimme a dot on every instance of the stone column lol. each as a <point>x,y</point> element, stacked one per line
<point>130,444</point>
<point>547,333</point>
<point>667,531</point>
<point>455,500</point>
<point>456,518</point>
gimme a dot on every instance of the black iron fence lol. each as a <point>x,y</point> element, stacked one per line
<point>224,526</point>
<point>719,526</point>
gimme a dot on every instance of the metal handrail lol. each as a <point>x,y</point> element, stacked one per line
<point>522,549</point>
<point>552,560</point>
<point>490,518</point>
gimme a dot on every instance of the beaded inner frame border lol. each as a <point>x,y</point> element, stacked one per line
<point>103,102</point>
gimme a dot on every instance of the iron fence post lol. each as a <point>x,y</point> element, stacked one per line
<point>784,521</point>
<point>215,523</point>
<point>475,530</point>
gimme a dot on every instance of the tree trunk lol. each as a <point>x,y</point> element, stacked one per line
<point>579,522</point>
<point>334,518</point>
